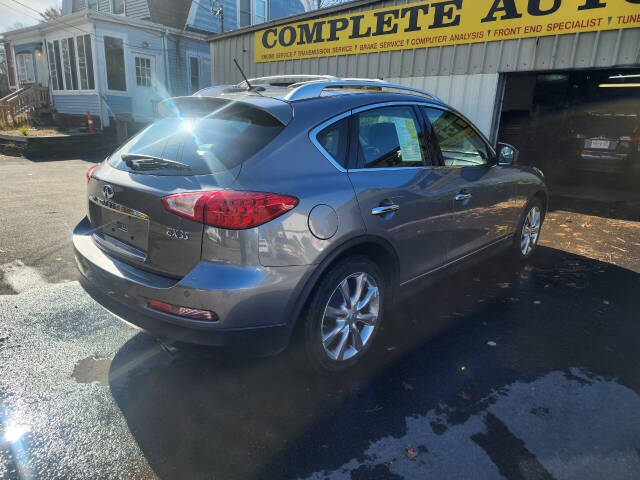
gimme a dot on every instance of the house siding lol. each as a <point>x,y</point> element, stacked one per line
<point>119,105</point>
<point>77,104</point>
<point>283,8</point>
<point>202,19</point>
<point>137,9</point>
<point>179,51</point>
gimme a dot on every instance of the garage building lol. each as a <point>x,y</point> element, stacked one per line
<point>521,70</point>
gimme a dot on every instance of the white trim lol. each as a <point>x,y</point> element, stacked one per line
<point>124,8</point>
<point>65,91</point>
<point>27,59</point>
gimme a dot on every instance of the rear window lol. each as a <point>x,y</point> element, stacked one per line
<point>197,144</point>
<point>334,139</point>
<point>608,126</point>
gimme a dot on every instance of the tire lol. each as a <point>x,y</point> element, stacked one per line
<point>521,249</point>
<point>328,312</point>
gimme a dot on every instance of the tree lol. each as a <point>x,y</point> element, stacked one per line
<point>50,13</point>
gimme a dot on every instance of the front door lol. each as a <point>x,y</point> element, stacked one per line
<point>400,193</point>
<point>145,97</point>
<point>482,193</point>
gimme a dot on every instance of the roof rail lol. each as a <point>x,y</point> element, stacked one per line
<point>313,89</point>
<point>286,80</point>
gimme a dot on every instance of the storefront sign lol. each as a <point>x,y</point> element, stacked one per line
<point>438,23</point>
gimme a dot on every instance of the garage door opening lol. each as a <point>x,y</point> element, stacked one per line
<point>580,127</point>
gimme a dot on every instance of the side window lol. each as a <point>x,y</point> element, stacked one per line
<point>334,139</point>
<point>389,137</point>
<point>461,146</point>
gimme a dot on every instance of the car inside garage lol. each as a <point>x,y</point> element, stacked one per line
<point>580,127</point>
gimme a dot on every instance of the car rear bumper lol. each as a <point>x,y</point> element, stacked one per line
<point>251,303</point>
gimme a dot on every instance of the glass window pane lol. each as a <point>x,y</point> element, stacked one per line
<point>245,13</point>
<point>68,84</point>
<point>334,139</point>
<point>118,7</point>
<point>82,63</point>
<point>195,74</point>
<point>89,58</point>
<point>389,137</point>
<point>56,48</point>
<point>114,54</point>
<point>205,141</point>
<point>72,61</point>
<point>461,146</point>
<point>52,66</point>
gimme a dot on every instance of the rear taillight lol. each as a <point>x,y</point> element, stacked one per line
<point>192,313</point>
<point>230,209</point>
<point>90,171</point>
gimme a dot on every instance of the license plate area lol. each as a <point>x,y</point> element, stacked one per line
<point>602,144</point>
<point>121,223</point>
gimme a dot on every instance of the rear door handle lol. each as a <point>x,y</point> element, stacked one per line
<point>463,196</point>
<point>381,210</point>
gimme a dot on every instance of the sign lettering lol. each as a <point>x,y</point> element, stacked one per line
<point>436,23</point>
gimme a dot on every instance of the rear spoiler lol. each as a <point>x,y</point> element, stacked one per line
<point>202,105</point>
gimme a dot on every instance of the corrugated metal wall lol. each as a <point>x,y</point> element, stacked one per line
<point>472,94</point>
<point>465,76</point>
<point>580,50</point>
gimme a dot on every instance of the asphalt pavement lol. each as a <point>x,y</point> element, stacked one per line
<point>525,371</point>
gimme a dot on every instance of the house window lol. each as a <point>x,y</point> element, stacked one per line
<point>143,72</point>
<point>85,62</point>
<point>55,65</point>
<point>92,5</point>
<point>114,55</point>
<point>117,7</point>
<point>69,64</point>
<point>194,74</point>
<point>26,74</point>
<point>245,12</point>
<point>261,11</point>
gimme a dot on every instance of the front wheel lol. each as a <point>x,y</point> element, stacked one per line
<point>528,232</point>
<point>345,314</point>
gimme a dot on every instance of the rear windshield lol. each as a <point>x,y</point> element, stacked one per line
<point>193,144</point>
<point>608,126</point>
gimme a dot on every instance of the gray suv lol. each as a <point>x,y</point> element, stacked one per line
<point>296,207</point>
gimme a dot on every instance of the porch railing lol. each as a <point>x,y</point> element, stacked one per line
<point>18,107</point>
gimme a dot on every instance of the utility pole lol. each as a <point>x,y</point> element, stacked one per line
<point>217,10</point>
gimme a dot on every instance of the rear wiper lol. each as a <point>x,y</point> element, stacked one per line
<point>137,161</point>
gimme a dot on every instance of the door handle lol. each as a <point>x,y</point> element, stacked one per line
<point>381,210</point>
<point>463,196</point>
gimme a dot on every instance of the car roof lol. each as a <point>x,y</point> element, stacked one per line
<point>280,94</point>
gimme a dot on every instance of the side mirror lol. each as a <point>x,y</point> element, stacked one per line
<point>507,154</point>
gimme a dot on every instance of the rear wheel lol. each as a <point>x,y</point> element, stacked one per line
<point>345,314</point>
<point>528,232</point>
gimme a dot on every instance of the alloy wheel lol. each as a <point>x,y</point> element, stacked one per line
<point>350,316</point>
<point>530,231</point>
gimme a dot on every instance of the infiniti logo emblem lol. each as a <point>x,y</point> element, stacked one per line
<point>108,192</point>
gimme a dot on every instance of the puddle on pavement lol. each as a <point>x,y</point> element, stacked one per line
<point>92,369</point>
